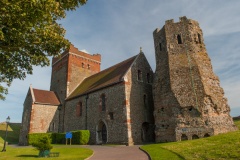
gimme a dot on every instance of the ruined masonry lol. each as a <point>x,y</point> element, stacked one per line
<point>128,103</point>
<point>188,100</point>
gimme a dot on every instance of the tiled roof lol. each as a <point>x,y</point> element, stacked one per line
<point>45,97</point>
<point>103,79</point>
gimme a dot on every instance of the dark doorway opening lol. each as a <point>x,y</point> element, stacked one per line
<point>147,133</point>
<point>104,133</point>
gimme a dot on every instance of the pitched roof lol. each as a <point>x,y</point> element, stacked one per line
<point>103,79</point>
<point>45,97</point>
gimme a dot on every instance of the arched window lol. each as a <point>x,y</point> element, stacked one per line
<point>88,66</point>
<point>199,38</point>
<point>179,39</point>
<point>79,109</point>
<point>139,75</point>
<point>103,100</point>
<point>82,65</point>
<point>53,126</point>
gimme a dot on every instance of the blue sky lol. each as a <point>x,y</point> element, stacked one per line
<point>118,28</point>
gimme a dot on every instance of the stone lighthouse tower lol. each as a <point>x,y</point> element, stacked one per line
<point>189,102</point>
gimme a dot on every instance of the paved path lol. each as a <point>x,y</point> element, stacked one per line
<point>117,153</point>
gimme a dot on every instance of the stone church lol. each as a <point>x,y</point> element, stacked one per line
<point>128,103</point>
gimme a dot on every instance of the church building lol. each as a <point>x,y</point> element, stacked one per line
<point>128,103</point>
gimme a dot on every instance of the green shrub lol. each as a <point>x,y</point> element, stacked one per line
<point>80,137</point>
<point>34,137</point>
<point>60,138</point>
<point>43,144</point>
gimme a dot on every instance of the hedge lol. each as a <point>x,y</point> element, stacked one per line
<point>78,137</point>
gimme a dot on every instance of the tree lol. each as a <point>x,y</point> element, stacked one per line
<point>43,144</point>
<point>29,34</point>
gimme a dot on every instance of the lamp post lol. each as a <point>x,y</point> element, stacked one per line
<point>4,146</point>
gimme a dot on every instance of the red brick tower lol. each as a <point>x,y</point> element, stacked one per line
<point>69,69</point>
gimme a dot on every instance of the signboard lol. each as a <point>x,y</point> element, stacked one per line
<point>68,135</point>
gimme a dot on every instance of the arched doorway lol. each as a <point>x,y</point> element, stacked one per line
<point>195,136</point>
<point>102,135</point>
<point>147,132</point>
<point>144,134</point>
<point>184,137</point>
<point>206,135</point>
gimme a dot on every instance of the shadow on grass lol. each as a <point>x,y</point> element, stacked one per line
<point>13,132</point>
<point>28,156</point>
<point>178,155</point>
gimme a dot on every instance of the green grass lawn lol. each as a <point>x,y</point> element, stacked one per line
<point>222,146</point>
<point>73,152</point>
<point>29,153</point>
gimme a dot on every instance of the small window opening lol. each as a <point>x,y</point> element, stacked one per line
<point>179,39</point>
<point>148,78</point>
<point>160,46</point>
<point>111,115</point>
<point>145,100</point>
<point>190,109</point>
<point>79,109</point>
<point>139,75</point>
<point>199,38</point>
<point>103,99</point>
<point>82,65</point>
<point>53,126</point>
<point>88,66</point>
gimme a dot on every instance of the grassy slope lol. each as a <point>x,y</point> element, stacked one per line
<point>13,133</point>
<point>223,146</point>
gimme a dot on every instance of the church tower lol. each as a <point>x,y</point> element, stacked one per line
<point>68,71</point>
<point>70,68</point>
<point>189,102</point>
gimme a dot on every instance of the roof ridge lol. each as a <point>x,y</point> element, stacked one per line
<point>113,66</point>
<point>108,76</point>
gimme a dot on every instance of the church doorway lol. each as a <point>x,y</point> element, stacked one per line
<point>145,127</point>
<point>102,133</point>
<point>147,133</point>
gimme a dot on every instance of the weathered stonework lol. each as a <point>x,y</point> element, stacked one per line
<point>69,70</point>
<point>125,111</point>
<point>188,98</point>
<point>129,104</point>
<point>37,118</point>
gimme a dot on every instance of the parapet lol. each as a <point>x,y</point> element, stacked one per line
<point>96,57</point>
<point>183,19</point>
<point>75,51</point>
